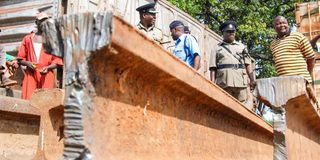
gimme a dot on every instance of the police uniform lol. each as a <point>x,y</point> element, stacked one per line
<point>229,61</point>
<point>151,32</point>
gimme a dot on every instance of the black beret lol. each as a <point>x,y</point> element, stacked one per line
<point>147,8</point>
<point>228,25</point>
<point>175,24</point>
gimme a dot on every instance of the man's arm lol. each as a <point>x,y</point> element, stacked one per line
<point>213,65</point>
<point>29,64</point>
<point>310,65</point>
<point>314,41</point>
<point>22,55</point>
<point>251,76</point>
<point>194,49</point>
<point>46,69</point>
<point>212,75</point>
<point>197,62</point>
<point>248,65</point>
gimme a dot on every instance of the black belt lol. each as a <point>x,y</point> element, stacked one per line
<point>234,66</point>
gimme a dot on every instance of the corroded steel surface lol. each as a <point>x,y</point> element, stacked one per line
<point>141,102</point>
<point>149,104</point>
<point>18,135</point>
<point>154,54</point>
<point>303,129</point>
<point>50,140</point>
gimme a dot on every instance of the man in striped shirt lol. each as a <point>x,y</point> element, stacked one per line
<point>292,52</point>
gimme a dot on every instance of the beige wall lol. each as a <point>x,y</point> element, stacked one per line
<point>126,9</point>
<point>17,19</point>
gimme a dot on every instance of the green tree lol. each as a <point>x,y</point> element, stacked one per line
<point>254,19</point>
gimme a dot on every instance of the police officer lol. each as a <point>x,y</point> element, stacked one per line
<point>186,46</point>
<point>147,22</point>
<point>230,64</point>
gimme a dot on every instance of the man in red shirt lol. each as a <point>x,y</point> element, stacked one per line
<point>39,64</point>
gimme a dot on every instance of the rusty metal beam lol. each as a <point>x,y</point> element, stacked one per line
<point>16,105</point>
<point>120,85</point>
<point>50,140</point>
<point>296,116</point>
<point>32,129</point>
<point>177,69</point>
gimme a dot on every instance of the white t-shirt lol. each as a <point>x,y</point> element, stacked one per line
<point>37,50</point>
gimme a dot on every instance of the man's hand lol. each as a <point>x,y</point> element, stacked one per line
<point>30,65</point>
<point>197,62</point>
<point>14,64</point>
<point>212,75</point>
<point>44,70</point>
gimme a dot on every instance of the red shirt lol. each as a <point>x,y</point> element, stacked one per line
<point>33,79</point>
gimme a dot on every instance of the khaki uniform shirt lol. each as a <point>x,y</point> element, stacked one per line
<point>152,33</point>
<point>230,77</point>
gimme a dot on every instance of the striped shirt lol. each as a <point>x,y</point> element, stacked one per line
<point>290,54</point>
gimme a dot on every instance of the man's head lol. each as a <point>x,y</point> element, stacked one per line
<point>40,18</point>
<point>228,29</point>
<point>281,26</point>
<point>176,29</point>
<point>147,14</point>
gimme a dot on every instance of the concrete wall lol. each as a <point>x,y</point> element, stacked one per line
<point>126,9</point>
<point>17,19</point>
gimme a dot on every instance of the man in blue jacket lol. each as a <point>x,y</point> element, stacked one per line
<point>186,46</point>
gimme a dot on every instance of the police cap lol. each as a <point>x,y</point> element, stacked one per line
<point>175,24</point>
<point>147,8</point>
<point>228,26</point>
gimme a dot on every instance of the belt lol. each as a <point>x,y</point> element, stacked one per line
<point>234,66</point>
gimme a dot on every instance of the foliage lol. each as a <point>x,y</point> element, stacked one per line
<point>254,18</point>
